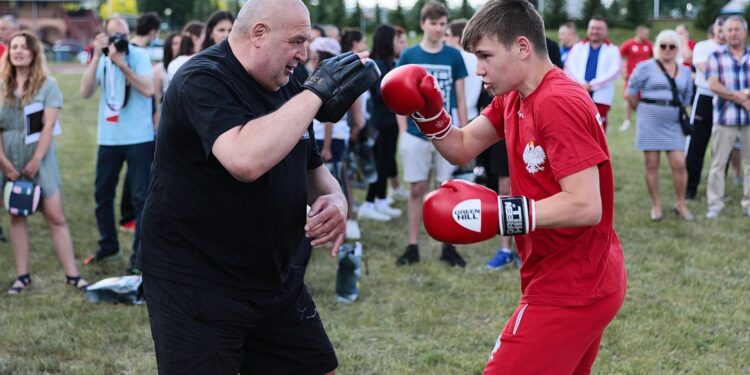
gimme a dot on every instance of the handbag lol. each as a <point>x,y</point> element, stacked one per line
<point>22,197</point>
<point>683,117</point>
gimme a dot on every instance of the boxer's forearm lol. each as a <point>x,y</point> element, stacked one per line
<point>577,205</point>
<point>248,151</point>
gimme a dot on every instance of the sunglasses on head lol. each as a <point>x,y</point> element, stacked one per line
<point>668,46</point>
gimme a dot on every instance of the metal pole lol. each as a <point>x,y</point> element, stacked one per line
<point>656,9</point>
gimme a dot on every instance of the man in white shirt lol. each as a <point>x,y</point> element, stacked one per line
<point>595,63</point>
<point>702,114</point>
<point>472,82</point>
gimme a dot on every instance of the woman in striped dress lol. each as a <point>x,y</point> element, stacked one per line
<point>658,127</point>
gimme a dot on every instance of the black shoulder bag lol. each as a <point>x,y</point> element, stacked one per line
<point>683,117</point>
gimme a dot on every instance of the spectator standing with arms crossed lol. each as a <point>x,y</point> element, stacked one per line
<point>727,71</point>
<point>702,113</point>
<point>418,155</point>
<point>125,130</point>
<point>595,63</point>
<point>234,170</point>
<point>573,274</point>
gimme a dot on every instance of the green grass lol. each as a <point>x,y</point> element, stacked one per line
<point>685,312</point>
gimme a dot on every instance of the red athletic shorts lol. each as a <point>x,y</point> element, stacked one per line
<point>552,339</point>
<point>603,110</point>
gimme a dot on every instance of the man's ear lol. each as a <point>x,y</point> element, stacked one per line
<point>259,31</point>
<point>523,47</point>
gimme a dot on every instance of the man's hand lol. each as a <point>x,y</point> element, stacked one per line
<point>327,221</point>
<point>339,81</point>
<point>100,42</point>
<point>746,104</point>
<point>118,58</point>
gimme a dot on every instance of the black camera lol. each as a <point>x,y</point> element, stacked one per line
<point>120,41</point>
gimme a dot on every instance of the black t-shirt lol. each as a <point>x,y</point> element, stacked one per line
<point>200,225</point>
<point>381,117</point>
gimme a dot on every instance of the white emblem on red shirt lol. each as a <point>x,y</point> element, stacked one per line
<point>534,158</point>
<point>599,120</point>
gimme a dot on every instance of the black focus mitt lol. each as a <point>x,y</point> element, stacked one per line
<point>339,81</point>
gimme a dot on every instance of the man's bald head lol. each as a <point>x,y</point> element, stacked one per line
<point>116,25</point>
<point>269,12</point>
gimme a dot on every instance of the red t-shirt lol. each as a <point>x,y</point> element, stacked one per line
<point>553,133</point>
<point>634,52</point>
<point>2,49</point>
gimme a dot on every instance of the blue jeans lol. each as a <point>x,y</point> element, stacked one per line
<point>108,166</point>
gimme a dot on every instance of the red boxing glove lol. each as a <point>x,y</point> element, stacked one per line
<point>409,91</point>
<point>462,212</point>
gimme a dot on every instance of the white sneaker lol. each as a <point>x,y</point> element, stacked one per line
<point>352,230</point>
<point>367,211</point>
<point>625,125</point>
<point>399,194</point>
<point>712,214</point>
<point>382,206</point>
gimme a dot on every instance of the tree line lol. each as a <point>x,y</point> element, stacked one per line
<point>332,12</point>
<point>624,13</point>
<point>630,13</point>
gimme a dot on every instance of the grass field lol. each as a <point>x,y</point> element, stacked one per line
<point>686,310</point>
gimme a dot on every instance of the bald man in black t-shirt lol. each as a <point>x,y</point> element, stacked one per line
<point>234,169</point>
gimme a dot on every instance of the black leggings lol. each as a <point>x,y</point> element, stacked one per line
<point>385,160</point>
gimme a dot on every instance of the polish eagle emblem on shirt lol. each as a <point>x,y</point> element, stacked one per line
<point>534,158</point>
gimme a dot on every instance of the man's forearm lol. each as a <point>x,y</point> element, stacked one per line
<point>718,88</point>
<point>321,182</point>
<point>88,82</point>
<point>249,150</point>
<point>143,84</point>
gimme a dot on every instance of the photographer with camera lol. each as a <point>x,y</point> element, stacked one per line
<point>125,129</point>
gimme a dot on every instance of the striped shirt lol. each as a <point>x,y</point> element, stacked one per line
<point>735,76</point>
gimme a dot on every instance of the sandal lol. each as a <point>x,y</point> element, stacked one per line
<point>20,284</point>
<point>77,281</point>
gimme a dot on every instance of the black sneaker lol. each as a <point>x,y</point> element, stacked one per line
<point>411,255</point>
<point>689,195</point>
<point>99,257</point>
<point>451,256</point>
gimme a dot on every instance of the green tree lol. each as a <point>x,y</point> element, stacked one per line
<point>555,14</point>
<point>708,13</point>
<point>378,14</point>
<point>614,13</point>
<point>355,18</point>
<point>591,8</point>
<point>464,11</point>
<point>396,17</point>
<point>637,12</point>
<point>318,11</point>
<point>203,9</point>
<point>337,12</point>
<point>181,10</point>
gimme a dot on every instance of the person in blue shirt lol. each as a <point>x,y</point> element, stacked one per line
<point>125,130</point>
<point>419,157</point>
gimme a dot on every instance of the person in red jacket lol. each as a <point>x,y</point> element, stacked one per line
<point>634,51</point>
<point>572,275</point>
